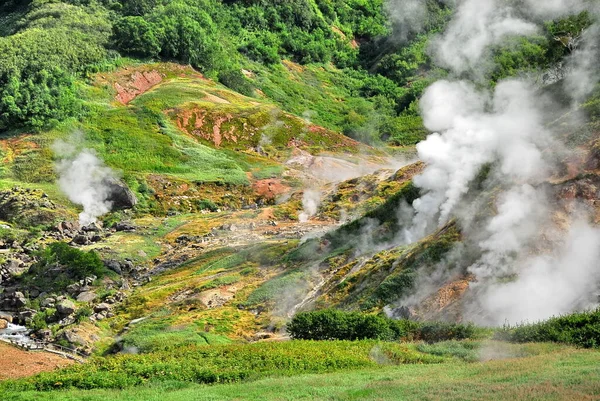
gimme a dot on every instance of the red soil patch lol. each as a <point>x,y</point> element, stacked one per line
<point>217,135</point>
<point>137,84</point>
<point>17,363</point>
<point>270,188</point>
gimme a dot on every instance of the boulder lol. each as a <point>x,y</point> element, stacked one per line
<point>124,226</point>
<point>48,302</point>
<point>67,227</point>
<point>6,316</point>
<point>86,296</point>
<point>119,194</point>
<point>73,338</point>
<point>114,266</point>
<point>3,324</point>
<point>19,300</point>
<point>81,239</point>
<point>65,308</point>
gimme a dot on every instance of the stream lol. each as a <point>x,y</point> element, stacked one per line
<point>15,332</point>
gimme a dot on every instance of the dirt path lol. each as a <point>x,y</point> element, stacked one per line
<point>16,363</point>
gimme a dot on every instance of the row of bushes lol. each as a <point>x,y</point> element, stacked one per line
<point>581,329</point>
<point>332,324</point>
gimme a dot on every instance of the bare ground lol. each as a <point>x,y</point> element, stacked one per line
<point>16,363</point>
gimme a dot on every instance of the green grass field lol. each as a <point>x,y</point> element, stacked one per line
<point>550,373</point>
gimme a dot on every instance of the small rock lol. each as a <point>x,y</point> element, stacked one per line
<point>101,307</point>
<point>3,324</point>
<point>48,302</point>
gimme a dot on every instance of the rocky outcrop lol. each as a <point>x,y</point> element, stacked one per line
<point>12,300</point>
<point>27,207</point>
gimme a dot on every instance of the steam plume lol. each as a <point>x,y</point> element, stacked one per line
<point>85,179</point>
<point>506,130</point>
<point>310,204</point>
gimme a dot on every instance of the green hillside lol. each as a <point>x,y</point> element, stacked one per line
<point>217,199</point>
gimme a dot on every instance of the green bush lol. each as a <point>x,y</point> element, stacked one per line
<point>206,204</point>
<point>580,329</point>
<point>331,324</point>
<point>60,265</point>
<point>234,79</point>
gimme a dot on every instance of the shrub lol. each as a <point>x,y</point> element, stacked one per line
<point>60,265</point>
<point>78,264</point>
<point>234,79</point>
<point>206,204</point>
<point>580,329</point>
<point>330,324</point>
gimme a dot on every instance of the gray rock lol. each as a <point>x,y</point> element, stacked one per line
<point>81,240</point>
<point>103,307</point>
<point>65,308</point>
<point>48,302</point>
<point>86,296</point>
<point>73,338</point>
<point>73,288</point>
<point>114,266</point>
<point>19,300</point>
<point>124,226</point>
<point>119,194</point>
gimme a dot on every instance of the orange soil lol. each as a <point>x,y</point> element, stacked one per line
<point>17,363</point>
<point>138,83</point>
<point>270,188</point>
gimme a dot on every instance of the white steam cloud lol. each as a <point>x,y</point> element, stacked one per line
<point>505,130</point>
<point>475,128</point>
<point>310,204</point>
<point>85,179</point>
<point>408,16</point>
<point>549,284</point>
<point>478,24</point>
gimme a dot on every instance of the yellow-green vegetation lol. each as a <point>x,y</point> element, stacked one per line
<point>231,363</point>
<point>197,302</point>
<point>524,372</point>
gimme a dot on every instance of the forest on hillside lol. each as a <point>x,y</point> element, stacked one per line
<point>50,45</point>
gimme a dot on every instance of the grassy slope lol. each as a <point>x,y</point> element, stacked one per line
<point>554,374</point>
